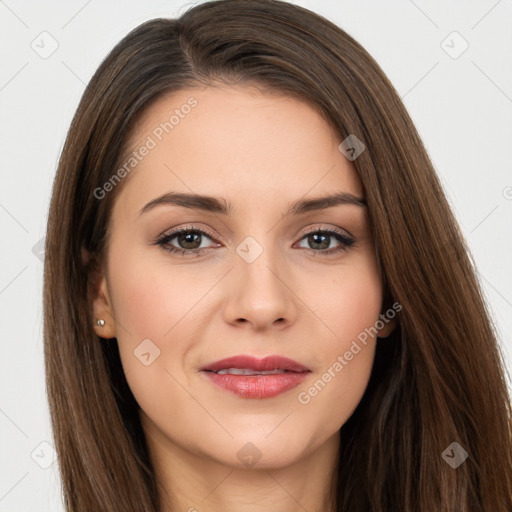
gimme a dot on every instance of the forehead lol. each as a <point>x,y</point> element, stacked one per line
<point>242,143</point>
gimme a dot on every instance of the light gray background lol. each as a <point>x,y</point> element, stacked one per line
<point>462,108</point>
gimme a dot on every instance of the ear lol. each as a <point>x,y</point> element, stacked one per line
<point>387,319</point>
<point>100,298</point>
<point>389,326</point>
<point>102,310</point>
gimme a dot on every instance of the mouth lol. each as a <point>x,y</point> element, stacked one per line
<point>247,363</point>
<point>251,377</point>
<point>248,371</point>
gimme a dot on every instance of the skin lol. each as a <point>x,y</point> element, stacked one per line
<point>261,152</point>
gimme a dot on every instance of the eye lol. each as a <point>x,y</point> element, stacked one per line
<point>190,238</point>
<point>190,241</point>
<point>319,241</point>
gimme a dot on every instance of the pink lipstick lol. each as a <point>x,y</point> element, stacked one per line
<point>251,377</point>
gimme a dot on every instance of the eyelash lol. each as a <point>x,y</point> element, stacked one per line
<point>345,241</point>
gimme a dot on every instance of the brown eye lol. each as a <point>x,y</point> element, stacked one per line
<point>188,240</point>
<point>320,241</point>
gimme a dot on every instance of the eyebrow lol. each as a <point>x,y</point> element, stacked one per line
<point>221,206</point>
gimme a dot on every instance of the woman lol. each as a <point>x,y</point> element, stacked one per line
<point>325,345</point>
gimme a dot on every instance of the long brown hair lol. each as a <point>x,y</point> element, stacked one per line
<point>438,379</point>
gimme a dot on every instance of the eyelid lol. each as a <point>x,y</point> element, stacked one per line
<point>346,240</point>
<point>336,229</point>
<point>188,227</point>
<point>192,227</point>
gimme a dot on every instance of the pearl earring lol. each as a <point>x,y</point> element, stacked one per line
<point>101,322</point>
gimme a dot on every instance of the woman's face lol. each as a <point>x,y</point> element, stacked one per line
<point>264,268</point>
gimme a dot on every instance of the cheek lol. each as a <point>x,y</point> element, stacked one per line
<point>150,298</point>
<point>352,301</point>
<point>150,303</point>
<point>350,308</point>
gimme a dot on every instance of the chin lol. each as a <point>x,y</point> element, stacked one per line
<point>263,451</point>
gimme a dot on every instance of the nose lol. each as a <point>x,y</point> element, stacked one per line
<point>260,294</point>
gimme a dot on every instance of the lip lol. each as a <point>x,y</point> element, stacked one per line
<point>257,364</point>
<point>257,386</point>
